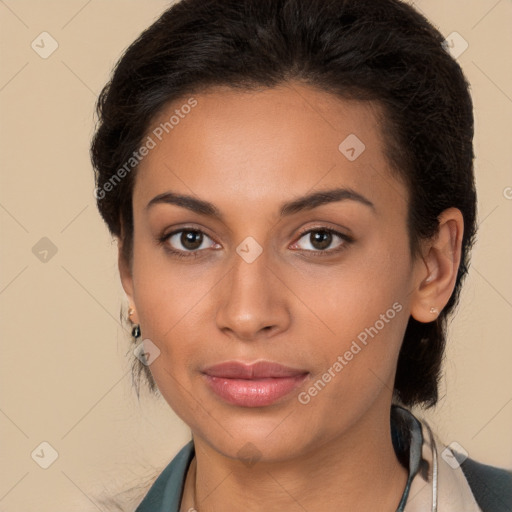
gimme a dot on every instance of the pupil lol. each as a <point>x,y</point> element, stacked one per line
<point>191,239</point>
<point>321,239</point>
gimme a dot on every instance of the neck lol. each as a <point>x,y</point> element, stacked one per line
<point>336,476</point>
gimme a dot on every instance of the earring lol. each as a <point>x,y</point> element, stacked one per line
<point>136,333</point>
<point>130,312</point>
<point>434,311</point>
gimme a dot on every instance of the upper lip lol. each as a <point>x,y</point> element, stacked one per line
<point>257,370</point>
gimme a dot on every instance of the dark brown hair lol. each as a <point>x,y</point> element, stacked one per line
<point>377,50</point>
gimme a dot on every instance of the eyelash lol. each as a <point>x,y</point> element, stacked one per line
<point>162,240</point>
<point>347,240</point>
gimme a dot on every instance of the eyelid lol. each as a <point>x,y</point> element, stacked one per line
<point>346,239</point>
<point>325,227</point>
<point>162,240</point>
<point>204,237</point>
<point>166,233</point>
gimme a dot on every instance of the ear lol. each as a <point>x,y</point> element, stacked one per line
<point>437,272</point>
<point>125,273</point>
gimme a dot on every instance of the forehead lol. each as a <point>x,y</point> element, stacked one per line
<point>248,149</point>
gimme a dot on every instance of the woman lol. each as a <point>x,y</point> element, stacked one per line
<point>291,186</point>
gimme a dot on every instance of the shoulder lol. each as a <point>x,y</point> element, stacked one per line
<point>165,494</point>
<point>491,486</point>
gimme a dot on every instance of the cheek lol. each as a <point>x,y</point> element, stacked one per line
<point>353,295</point>
<point>174,303</point>
<point>168,305</point>
<point>356,357</point>
<point>364,313</point>
<point>160,297</point>
<point>166,291</point>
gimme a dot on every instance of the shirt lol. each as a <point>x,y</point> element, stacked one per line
<point>437,480</point>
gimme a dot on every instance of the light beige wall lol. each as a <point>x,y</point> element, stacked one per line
<point>64,370</point>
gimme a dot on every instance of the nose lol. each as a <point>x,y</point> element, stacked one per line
<point>254,302</point>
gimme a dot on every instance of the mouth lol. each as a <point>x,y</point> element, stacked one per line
<point>253,385</point>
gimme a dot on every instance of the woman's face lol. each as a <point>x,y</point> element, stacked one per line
<point>270,271</point>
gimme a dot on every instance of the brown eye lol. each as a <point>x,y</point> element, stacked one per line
<point>320,240</point>
<point>191,240</point>
<point>188,240</point>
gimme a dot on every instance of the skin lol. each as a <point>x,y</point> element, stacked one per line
<point>247,153</point>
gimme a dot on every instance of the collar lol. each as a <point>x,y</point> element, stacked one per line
<point>433,485</point>
<point>436,481</point>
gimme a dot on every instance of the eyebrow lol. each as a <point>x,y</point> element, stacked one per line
<point>307,202</point>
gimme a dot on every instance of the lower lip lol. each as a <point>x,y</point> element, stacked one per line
<point>254,392</point>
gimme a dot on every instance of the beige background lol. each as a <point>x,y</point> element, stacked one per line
<point>64,370</point>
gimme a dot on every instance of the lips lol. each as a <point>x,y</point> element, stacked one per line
<point>253,385</point>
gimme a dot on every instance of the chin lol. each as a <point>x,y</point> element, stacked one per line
<point>258,436</point>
